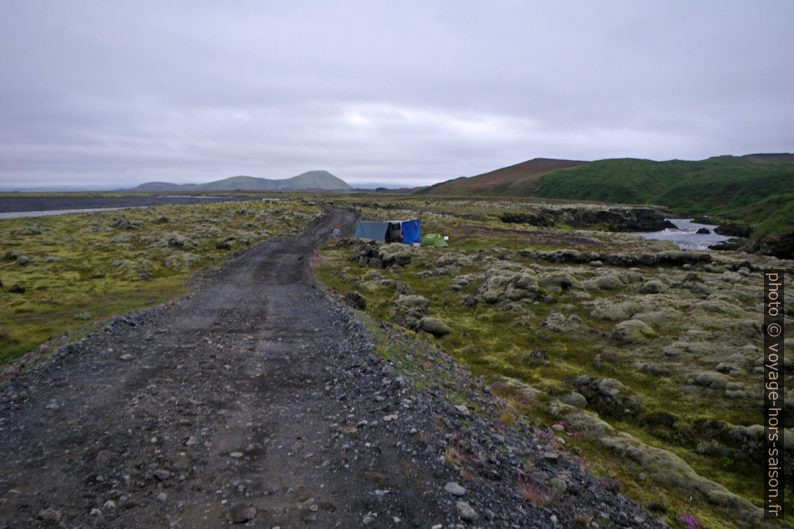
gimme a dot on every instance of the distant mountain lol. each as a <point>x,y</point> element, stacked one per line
<point>516,179</point>
<point>312,180</point>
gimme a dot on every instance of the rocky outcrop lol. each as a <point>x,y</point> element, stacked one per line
<point>506,281</point>
<point>733,229</point>
<point>356,300</point>
<point>395,254</point>
<point>633,332</point>
<point>409,310</point>
<point>668,258</point>
<point>781,246</point>
<point>384,256</point>
<point>608,396</point>
<point>612,219</point>
<point>660,465</point>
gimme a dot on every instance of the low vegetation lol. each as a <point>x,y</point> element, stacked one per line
<point>59,274</point>
<point>756,192</point>
<point>645,358</point>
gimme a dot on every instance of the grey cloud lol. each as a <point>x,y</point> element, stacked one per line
<point>403,93</point>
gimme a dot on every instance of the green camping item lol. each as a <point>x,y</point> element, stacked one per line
<point>434,239</point>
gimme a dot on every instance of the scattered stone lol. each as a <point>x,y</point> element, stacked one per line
<point>454,488</point>
<point>574,399</point>
<point>559,485</point>
<point>49,515</point>
<point>17,289</point>
<point>465,511</point>
<point>369,518</point>
<point>241,513</point>
<point>162,474</point>
<point>162,497</point>
<point>125,357</point>
<point>462,410</point>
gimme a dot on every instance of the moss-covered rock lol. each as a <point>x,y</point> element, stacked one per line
<point>396,254</point>
<point>608,395</point>
<point>434,326</point>
<point>182,260</point>
<point>654,286</point>
<point>409,310</point>
<point>632,332</point>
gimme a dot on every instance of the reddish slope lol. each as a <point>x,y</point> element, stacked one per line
<point>524,174</point>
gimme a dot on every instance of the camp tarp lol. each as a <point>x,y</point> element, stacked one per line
<point>406,231</point>
<point>434,239</point>
<point>412,231</point>
<point>375,230</point>
<point>394,233</point>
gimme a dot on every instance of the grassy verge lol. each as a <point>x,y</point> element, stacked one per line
<point>64,272</point>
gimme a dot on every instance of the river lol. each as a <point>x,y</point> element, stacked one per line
<point>685,235</point>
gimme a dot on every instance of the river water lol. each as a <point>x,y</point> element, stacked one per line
<point>685,235</point>
<point>50,212</point>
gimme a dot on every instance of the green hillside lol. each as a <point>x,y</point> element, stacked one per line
<point>742,189</point>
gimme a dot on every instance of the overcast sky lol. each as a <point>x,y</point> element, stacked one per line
<point>103,93</point>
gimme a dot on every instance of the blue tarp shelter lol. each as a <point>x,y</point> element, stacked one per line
<point>412,231</point>
<point>409,231</point>
<point>375,230</point>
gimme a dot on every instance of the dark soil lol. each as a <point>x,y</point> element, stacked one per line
<point>258,400</point>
